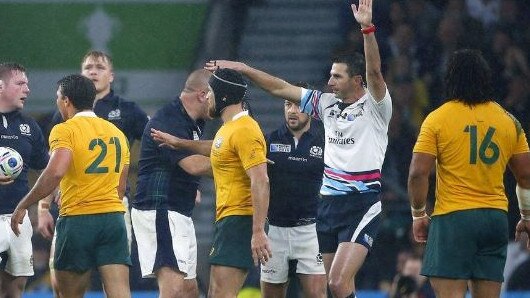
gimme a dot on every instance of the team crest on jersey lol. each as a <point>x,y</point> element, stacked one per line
<point>218,143</point>
<point>369,240</point>
<point>280,148</point>
<point>316,151</point>
<point>25,129</point>
<point>114,115</point>
<point>195,136</point>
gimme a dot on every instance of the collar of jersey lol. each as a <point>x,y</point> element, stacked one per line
<point>239,115</point>
<point>85,114</point>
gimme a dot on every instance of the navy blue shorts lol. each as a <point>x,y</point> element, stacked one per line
<point>352,218</point>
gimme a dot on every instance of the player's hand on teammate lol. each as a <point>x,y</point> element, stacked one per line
<point>17,218</point>
<point>4,180</point>
<point>214,65</point>
<point>523,226</point>
<point>420,228</point>
<point>165,139</point>
<point>46,224</point>
<point>261,250</point>
<point>363,13</point>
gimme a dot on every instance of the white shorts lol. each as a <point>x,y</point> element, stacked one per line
<point>128,223</point>
<point>18,250</point>
<point>52,250</point>
<point>165,239</point>
<point>297,245</point>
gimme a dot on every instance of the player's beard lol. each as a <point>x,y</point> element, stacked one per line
<point>298,124</point>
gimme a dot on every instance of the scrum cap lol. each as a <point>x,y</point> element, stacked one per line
<point>228,87</point>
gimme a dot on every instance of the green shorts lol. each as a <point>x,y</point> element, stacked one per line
<point>85,242</point>
<point>468,244</point>
<point>231,242</point>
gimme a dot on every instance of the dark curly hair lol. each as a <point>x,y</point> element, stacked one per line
<point>468,78</point>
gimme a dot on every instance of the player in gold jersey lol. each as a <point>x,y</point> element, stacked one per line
<point>90,160</point>
<point>238,158</point>
<point>472,140</point>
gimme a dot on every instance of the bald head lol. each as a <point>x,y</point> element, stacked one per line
<point>197,80</point>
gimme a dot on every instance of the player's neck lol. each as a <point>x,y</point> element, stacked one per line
<point>191,110</point>
<point>101,94</point>
<point>230,111</point>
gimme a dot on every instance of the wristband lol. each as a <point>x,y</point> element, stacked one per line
<point>44,205</point>
<point>368,30</point>
<point>523,197</point>
<point>419,210</point>
<point>420,217</point>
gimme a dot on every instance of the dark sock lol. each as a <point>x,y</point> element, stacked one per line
<point>352,295</point>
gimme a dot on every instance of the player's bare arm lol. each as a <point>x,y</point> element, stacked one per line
<point>197,165</point>
<point>46,223</point>
<point>519,167</point>
<point>122,186</point>
<point>418,187</point>
<point>374,77</point>
<point>275,86</point>
<point>48,181</point>
<point>202,147</point>
<point>259,188</point>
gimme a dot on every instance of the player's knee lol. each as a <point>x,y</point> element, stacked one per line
<point>339,287</point>
<point>316,291</point>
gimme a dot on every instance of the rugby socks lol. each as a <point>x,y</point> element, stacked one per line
<point>352,295</point>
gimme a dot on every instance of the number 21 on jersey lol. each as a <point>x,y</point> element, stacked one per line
<point>481,150</point>
<point>94,167</point>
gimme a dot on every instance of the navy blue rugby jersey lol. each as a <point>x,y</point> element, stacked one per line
<point>126,115</point>
<point>21,133</point>
<point>162,183</point>
<point>296,175</point>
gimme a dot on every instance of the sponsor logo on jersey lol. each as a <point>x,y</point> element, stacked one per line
<point>25,129</point>
<point>369,240</point>
<point>12,137</point>
<point>195,136</point>
<point>114,115</point>
<point>316,151</point>
<point>218,143</point>
<point>295,158</point>
<point>280,148</point>
<point>347,115</point>
<point>341,141</point>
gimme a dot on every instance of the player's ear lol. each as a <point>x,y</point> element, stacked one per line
<point>66,101</point>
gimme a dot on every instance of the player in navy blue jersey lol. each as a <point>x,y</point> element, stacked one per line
<point>126,115</point>
<point>296,150</point>
<point>21,133</point>
<point>167,186</point>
